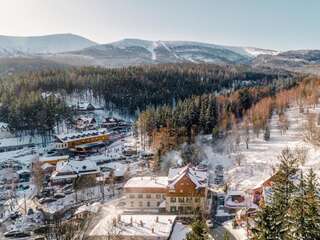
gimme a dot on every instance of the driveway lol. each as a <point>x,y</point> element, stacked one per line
<point>218,231</point>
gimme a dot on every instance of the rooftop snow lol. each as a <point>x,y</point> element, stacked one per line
<point>153,226</point>
<point>147,182</point>
<point>198,177</point>
<point>53,158</point>
<point>75,136</point>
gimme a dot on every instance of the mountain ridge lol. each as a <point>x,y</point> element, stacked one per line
<point>12,46</point>
<point>74,50</point>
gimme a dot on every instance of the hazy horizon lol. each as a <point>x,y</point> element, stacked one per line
<point>271,25</point>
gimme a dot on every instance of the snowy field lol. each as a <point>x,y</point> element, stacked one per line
<point>261,159</point>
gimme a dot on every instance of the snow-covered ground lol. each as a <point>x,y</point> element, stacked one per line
<point>261,159</point>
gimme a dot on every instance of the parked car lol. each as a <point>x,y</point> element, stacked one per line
<point>17,234</point>
<point>59,195</point>
<point>67,192</point>
<point>15,215</point>
<point>46,200</point>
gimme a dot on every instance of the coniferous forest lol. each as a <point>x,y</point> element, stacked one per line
<point>130,89</point>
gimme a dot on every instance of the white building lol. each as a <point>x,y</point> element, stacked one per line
<point>145,193</point>
<point>183,192</point>
<point>68,170</point>
<point>134,227</point>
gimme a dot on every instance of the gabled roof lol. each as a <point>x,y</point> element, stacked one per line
<point>85,118</point>
<point>85,105</point>
<point>76,166</point>
<point>198,177</point>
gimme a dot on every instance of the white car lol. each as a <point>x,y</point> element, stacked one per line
<point>209,223</point>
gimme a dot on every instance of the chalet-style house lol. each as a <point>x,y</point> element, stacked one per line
<point>85,106</point>
<point>182,192</point>
<point>115,124</point>
<point>186,190</point>
<point>86,123</point>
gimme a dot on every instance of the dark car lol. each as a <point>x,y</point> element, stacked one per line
<point>59,195</point>
<point>46,200</point>
<point>17,234</point>
<point>14,215</point>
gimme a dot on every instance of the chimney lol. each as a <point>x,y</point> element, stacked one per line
<point>170,221</point>
<point>141,223</point>
<point>131,221</point>
<point>152,230</point>
<point>157,219</point>
<point>119,218</point>
<point>114,222</point>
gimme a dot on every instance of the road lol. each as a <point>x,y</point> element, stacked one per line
<point>218,231</point>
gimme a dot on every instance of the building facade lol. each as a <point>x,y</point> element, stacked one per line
<point>70,141</point>
<point>145,193</point>
<point>182,192</point>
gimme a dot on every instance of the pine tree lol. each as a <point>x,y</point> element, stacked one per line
<point>283,190</point>
<point>312,214</point>
<point>198,231</point>
<point>273,220</point>
<point>296,214</point>
<point>263,224</point>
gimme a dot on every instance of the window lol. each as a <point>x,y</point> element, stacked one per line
<point>158,204</point>
<point>173,199</point>
<point>140,204</point>
<point>131,204</point>
<point>148,195</point>
<point>188,199</point>
<point>197,199</point>
<point>140,195</point>
<point>180,209</point>
<point>181,191</point>
<point>131,196</point>
<point>181,200</point>
<point>173,209</point>
<point>148,204</point>
<point>188,209</point>
<point>158,196</point>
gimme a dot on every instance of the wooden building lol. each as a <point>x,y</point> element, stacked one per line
<point>186,191</point>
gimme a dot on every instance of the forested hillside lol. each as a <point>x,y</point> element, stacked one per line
<point>125,89</point>
<point>165,127</point>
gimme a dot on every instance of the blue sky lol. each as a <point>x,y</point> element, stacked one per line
<point>275,24</point>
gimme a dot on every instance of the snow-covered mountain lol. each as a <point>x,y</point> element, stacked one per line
<point>137,51</point>
<point>70,49</point>
<point>11,46</point>
<point>296,60</point>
